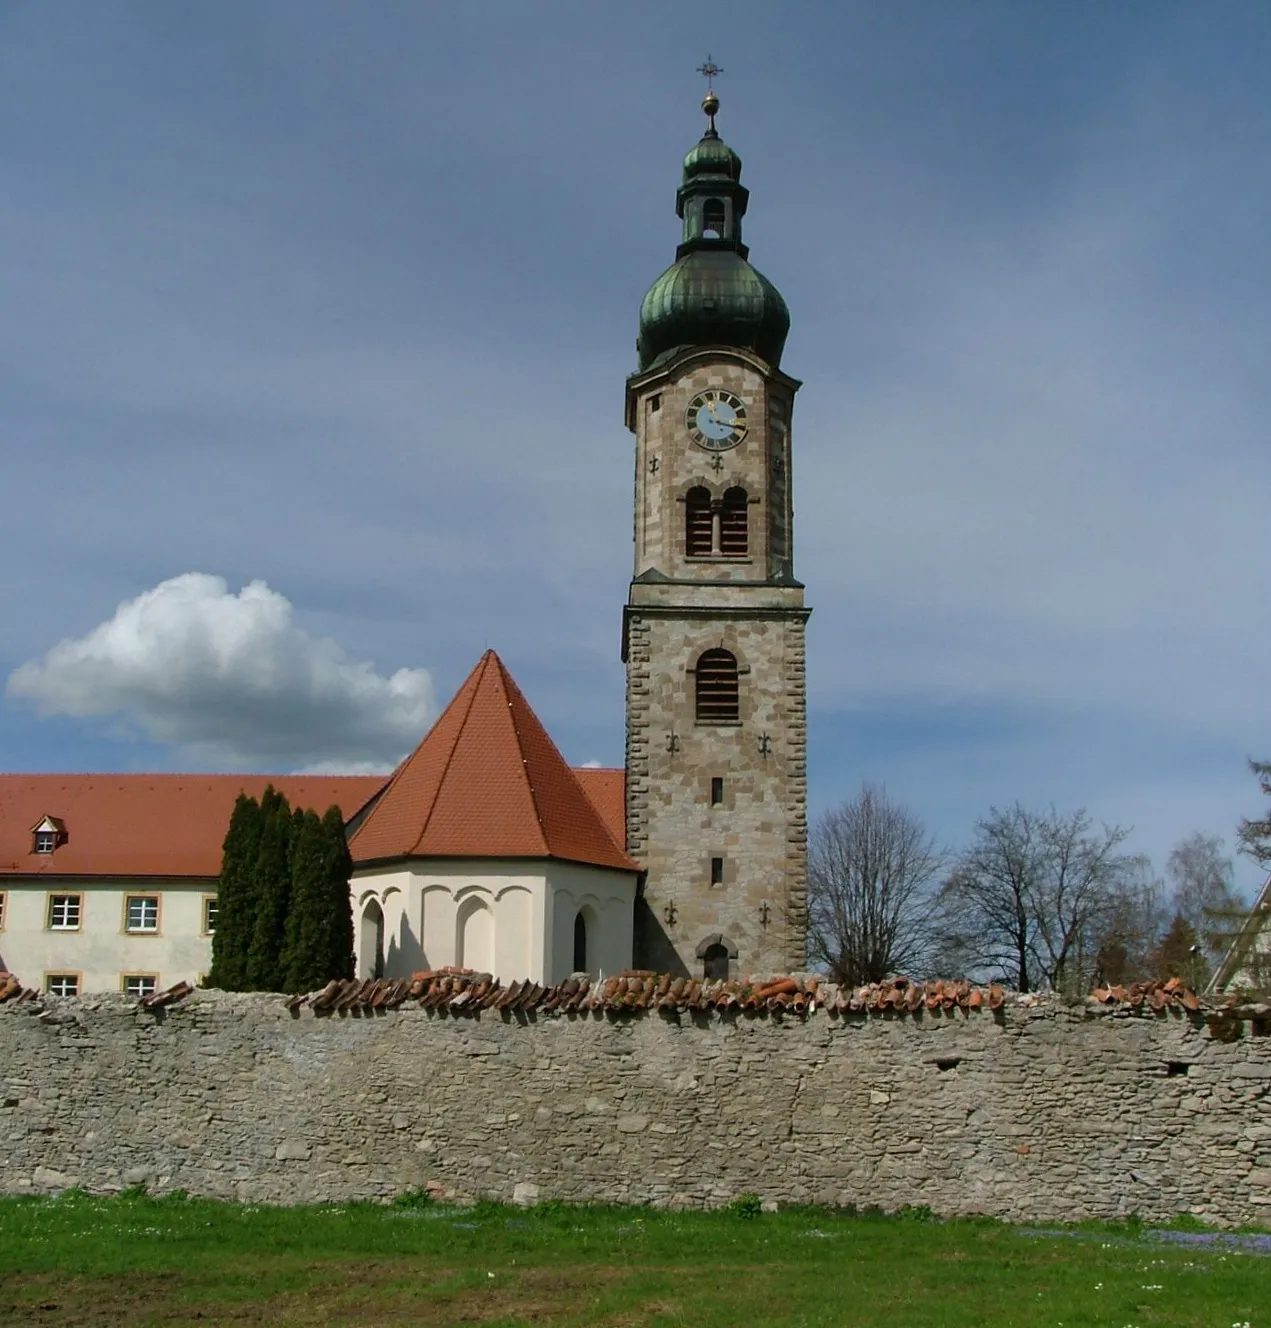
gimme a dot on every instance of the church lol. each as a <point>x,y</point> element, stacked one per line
<point>484,849</point>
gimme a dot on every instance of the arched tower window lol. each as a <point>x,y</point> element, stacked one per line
<point>713,217</point>
<point>718,693</point>
<point>697,522</point>
<point>715,962</point>
<point>580,943</point>
<point>734,531</point>
<point>717,954</point>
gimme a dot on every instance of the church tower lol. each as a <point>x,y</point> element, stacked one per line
<point>713,631</point>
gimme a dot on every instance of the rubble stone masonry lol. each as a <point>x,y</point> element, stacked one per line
<point>1041,1111</point>
<point>679,606</point>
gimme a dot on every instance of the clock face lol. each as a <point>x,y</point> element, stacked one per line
<point>716,420</point>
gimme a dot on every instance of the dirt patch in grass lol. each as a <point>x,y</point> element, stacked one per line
<point>351,1296</point>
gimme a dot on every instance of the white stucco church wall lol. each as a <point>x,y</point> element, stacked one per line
<point>514,918</point>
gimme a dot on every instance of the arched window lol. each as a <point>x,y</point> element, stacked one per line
<point>716,953</point>
<point>734,533</point>
<point>717,686</point>
<point>580,943</point>
<point>715,962</point>
<point>697,523</point>
<point>713,217</point>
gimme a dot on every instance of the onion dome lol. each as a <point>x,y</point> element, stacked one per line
<point>711,295</point>
<point>711,156</point>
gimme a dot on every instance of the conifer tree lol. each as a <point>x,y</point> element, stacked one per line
<point>235,897</point>
<point>1180,954</point>
<point>306,952</point>
<point>272,886</point>
<point>339,913</point>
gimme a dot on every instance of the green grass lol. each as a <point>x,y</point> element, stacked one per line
<point>79,1260</point>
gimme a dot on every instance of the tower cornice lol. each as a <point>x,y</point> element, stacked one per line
<point>640,383</point>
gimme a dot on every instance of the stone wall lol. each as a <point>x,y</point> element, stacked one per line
<point>1038,1112</point>
<point>759,830</point>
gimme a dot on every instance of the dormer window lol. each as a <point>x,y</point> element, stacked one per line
<point>48,836</point>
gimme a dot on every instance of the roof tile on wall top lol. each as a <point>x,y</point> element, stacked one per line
<point>464,990</point>
<point>487,782</point>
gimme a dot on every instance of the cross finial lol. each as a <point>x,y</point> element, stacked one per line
<point>710,102</point>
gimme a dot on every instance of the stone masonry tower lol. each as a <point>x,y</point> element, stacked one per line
<point>713,632</point>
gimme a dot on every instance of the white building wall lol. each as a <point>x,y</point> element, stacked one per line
<point>511,917</point>
<point>102,951</point>
<point>607,901</point>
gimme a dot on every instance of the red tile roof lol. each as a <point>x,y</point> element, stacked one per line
<point>606,790</point>
<point>147,825</point>
<point>488,782</point>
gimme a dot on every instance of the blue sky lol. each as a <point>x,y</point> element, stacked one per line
<point>340,299</point>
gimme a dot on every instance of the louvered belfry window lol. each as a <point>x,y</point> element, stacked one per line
<point>717,687</point>
<point>697,523</point>
<point>734,534</point>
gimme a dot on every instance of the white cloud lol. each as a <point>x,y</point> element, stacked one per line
<point>231,679</point>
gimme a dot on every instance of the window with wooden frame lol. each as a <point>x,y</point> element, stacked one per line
<point>718,688</point>
<point>66,912</point>
<point>139,984</point>
<point>141,914</point>
<point>698,522</point>
<point>62,984</point>
<point>4,904</point>
<point>209,914</point>
<point>734,523</point>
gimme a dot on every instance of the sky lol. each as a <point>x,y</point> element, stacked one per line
<point>318,318</point>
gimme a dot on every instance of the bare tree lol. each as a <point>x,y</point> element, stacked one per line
<point>1034,895</point>
<point>1201,877</point>
<point>1127,936</point>
<point>872,868</point>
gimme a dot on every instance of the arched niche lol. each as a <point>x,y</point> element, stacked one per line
<point>370,940</point>
<point>474,934</point>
